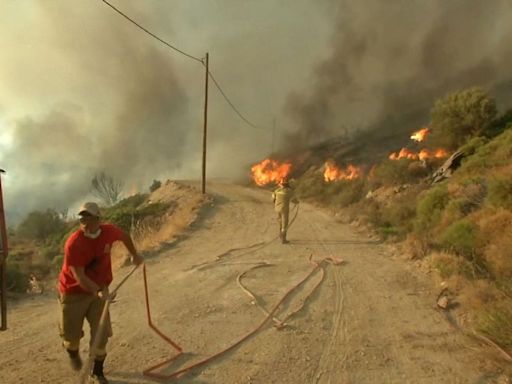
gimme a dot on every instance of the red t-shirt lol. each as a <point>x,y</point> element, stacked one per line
<point>92,254</point>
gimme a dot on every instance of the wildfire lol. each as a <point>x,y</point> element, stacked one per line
<point>420,135</point>
<point>270,171</point>
<point>424,154</point>
<point>403,154</point>
<point>333,173</point>
<point>133,190</point>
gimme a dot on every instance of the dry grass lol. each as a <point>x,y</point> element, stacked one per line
<point>495,239</point>
<point>151,233</point>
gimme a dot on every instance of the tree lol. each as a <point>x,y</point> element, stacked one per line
<point>106,188</point>
<point>156,184</point>
<point>40,225</point>
<point>460,116</point>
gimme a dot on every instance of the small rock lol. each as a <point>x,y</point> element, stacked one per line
<point>443,302</point>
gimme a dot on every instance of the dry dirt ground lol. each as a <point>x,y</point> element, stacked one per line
<point>372,319</point>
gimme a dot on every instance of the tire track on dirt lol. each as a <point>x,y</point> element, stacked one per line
<point>330,360</point>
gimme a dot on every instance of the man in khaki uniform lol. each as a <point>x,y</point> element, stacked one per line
<point>282,197</point>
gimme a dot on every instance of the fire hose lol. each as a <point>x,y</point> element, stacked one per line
<point>269,316</point>
<point>317,265</point>
<point>83,377</point>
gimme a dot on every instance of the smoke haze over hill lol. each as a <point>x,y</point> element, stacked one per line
<point>85,91</point>
<point>391,58</point>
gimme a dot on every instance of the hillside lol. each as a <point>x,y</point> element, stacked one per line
<point>332,306</point>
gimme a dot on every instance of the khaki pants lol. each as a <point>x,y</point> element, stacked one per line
<point>282,217</point>
<point>74,309</point>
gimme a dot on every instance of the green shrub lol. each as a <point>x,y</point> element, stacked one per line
<point>370,210</point>
<point>17,279</point>
<point>456,209</point>
<point>500,124</point>
<point>155,185</point>
<point>40,225</point>
<point>430,209</point>
<point>130,212</point>
<point>445,265</point>
<point>388,231</point>
<point>473,145</point>
<point>50,252</point>
<point>500,192</point>
<point>460,237</point>
<point>496,322</point>
<point>495,153</point>
<point>57,261</point>
<point>460,116</point>
<point>310,185</point>
<point>349,192</point>
<point>18,256</point>
<point>130,202</point>
<point>399,215</point>
<point>393,172</point>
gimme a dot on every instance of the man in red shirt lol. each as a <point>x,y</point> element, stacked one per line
<point>83,283</point>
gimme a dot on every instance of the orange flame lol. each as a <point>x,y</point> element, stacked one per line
<point>333,173</point>
<point>424,154</point>
<point>403,154</point>
<point>440,153</point>
<point>133,190</point>
<point>270,171</point>
<point>420,135</point>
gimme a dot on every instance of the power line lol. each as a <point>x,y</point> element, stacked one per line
<point>150,33</point>
<point>186,54</point>
<point>229,101</point>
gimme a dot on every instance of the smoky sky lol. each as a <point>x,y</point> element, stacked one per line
<point>127,117</point>
<point>391,58</point>
<point>85,91</point>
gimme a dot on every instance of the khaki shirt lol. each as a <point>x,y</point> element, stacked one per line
<point>282,197</point>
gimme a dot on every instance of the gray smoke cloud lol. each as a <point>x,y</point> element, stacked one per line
<point>394,58</point>
<point>84,91</point>
<point>126,117</point>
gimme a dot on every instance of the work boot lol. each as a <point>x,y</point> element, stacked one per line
<point>74,360</point>
<point>97,376</point>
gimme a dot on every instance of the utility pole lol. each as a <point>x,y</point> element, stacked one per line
<point>205,123</point>
<point>3,261</point>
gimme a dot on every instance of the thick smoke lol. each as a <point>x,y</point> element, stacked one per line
<point>122,111</point>
<point>85,91</point>
<point>393,58</point>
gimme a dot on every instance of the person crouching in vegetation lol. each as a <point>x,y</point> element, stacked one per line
<point>83,284</point>
<point>281,198</point>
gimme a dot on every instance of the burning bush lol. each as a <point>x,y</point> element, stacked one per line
<point>270,171</point>
<point>337,194</point>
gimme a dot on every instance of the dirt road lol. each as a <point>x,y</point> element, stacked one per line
<point>371,320</point>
